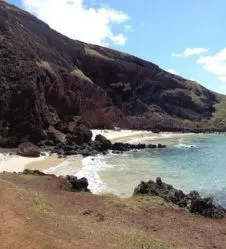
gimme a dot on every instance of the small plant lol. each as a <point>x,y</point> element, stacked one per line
<point>45,65</point>
<point>40,204</point>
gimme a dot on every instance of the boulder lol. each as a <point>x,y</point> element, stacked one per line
<point>152,146</point>
<point>160,146</point>
<point>78,185</point>
<point>84,133</point>
<point>28,149</point>
<point>56,135</point>
<point>118,147</point>
<point>205,207</point>
<point>81,135</point>
<point>103,141</point>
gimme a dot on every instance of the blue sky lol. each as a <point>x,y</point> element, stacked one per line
<point>185,37</point>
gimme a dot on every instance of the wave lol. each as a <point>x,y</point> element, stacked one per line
<point>91,166</point>
<point>182,145</point>
<point>59,170</point>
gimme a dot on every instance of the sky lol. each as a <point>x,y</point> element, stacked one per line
<point>187,38</point>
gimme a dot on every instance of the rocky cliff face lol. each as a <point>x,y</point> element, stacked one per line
<point>47,79</point>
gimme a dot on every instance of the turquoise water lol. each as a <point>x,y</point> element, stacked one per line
<point>190,162</point>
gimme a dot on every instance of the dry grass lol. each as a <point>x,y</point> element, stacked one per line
<point>91,52</point>
<point>45,65</point>
<point>79,74</point>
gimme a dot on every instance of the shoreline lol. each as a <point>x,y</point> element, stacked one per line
<point>61,166</point>
<point>11,162</point>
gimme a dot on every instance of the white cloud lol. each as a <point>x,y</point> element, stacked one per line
<point>118,39</point>
<point>74,19</point>
<point>129,28</point>
<point>191,51</point>
<point>172,70</point>
<point>215,64</point>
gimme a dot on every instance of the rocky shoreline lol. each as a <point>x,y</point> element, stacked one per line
<point>80,143</point>
<point>191,202</point>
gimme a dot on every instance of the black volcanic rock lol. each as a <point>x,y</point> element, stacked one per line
<point>192,202</point>
<point>104,143</point>
<point>48,80</point>
<point>78,185</point>
<point>28,149</point>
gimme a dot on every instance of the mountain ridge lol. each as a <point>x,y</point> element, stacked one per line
<point>47,79</point>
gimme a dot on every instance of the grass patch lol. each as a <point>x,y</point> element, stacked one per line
<point>147,243</point>
<point>45,65</point>
<point>28,177</point>
<point>136,202</point>
<point>136,240</point>
<point>219,116</point>
<point>40,204</point>
<point>94,53</point>
<point>79,74</point>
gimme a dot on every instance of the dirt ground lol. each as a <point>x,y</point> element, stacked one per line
<point>36,212</point>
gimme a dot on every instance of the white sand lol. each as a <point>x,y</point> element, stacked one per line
<point>121,135</point>
<point>14,163</point>
<point>135,136</point>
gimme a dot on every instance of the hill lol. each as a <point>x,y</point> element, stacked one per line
<point>47,79</point>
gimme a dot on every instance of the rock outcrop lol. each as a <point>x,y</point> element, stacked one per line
<point>48,80</point>
<point>92,148</point>
<point>28,149</point>
<point>103,143</point>
<point>72,182</point>
<point>193,201</point>
<point>78,185</point>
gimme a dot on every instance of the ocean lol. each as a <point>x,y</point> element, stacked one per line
<point>190,162</point>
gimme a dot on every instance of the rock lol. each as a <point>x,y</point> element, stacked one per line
<point>127,146</point>
<point>193,195</point>
<point>205,207</point>
<point>152,146</point>
<point>140,146</point>
<point>84,134</point>
<point>28,149</point>
<point>155,130</point>
<point>9,142</point>
<point>159,181</point>
<point>192,202</point>
<point>141,189</point>
<point>78,185</point>
<point>81,135</point>
<point>118,147</point>
<point>56,135</point>
<point>87,212</point>
<point>103,141</point>
<point>160,146</point>
<point>3,141</point>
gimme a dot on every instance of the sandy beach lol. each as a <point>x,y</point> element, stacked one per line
<point>130,136</point>
<point>16,163</point>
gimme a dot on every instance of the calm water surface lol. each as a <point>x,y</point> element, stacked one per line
<point>191,162</point>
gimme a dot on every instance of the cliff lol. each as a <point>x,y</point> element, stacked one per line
<point>47,79</point>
